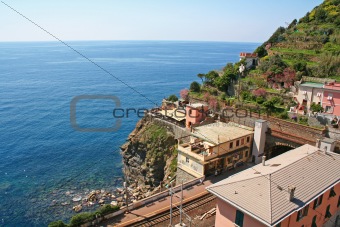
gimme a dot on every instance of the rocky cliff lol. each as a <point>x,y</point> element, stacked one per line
<point>149,157</point>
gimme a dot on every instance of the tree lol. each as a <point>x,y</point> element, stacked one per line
<point>316,107</point>
<point>261,51</point>
<point>292,24</point>
<point>269,105</point>
<point>320,14</point>
<point>184,93</point>
<point>223,82</point>
<point>195,87</point>
<point>201,76</point>
<point>172,98</point>
<point>210,77</point>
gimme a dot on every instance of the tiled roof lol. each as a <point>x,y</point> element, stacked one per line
<point>262,190</point>
<point>248,55</point>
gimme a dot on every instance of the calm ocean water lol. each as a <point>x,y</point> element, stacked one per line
<point>41,156</point>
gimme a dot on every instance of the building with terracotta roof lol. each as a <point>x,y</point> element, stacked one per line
<point>297,188</point>
<point>250,58</point>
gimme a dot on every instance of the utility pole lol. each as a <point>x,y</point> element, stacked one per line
<point>126,197</point>
<point>181,207</point>
<point>171,193</point>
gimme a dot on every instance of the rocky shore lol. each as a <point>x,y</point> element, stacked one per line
<point>149,158</point>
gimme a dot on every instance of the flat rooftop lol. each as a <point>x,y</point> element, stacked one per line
<point>312,84</point>
<point>220,132</point>
<point>197,105</point>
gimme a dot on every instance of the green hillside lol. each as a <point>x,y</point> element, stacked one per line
<point>310,46</point>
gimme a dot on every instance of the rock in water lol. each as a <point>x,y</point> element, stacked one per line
<point>114,203</point>
<point>77,198</point>
<point>77,208</point>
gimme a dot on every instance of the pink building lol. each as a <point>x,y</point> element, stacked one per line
<point>195,113</point>
<point>331,98</point>
<point>298,188</point>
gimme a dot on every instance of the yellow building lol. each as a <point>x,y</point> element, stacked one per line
<point>214,147</point>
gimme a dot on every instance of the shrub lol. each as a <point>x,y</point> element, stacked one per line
<point>206,96</point>
<point>57,224</point>
<point>213,91</point>
<point>107,209</point>
<point>303,120</point>
<point>81,218</point>
<point>172,98</point>
<point>195,87</point>
<point>277,100</point>
<point>259,92</point>
<point>245,95</point>
<point>260,100</point>
<point>184,93</point>
<point>316,107</point>
<point>284,115</point>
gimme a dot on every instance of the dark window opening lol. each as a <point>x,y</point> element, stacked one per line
<point>328,213</point>
<point>317,202</point>
<point>239,218</point>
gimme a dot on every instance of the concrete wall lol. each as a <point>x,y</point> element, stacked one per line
<point>226,214</point>
<point>184,176</point>
<point>175,129</point>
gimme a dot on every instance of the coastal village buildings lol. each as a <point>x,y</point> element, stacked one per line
<point>195,113</point>
<point>250,58</point>
<point>326,94</point>
<point>214,147</point>
<point>297,188</point>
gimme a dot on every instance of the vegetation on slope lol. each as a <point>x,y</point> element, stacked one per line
<point>309,46</point>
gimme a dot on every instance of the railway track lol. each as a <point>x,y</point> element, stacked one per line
<point>165,216</point>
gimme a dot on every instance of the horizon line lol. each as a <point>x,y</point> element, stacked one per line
<point>128,40</point>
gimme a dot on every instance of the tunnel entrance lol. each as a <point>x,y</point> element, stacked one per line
<point>279,149</point>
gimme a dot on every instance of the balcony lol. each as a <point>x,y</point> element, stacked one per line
<point>201,151</point>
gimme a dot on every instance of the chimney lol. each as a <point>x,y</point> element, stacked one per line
<point>318,141</point>
<point>325,149</point>
<point>263,160</point>
<point>291,191</point>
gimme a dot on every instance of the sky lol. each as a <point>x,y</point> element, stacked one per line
<point>191,20</point>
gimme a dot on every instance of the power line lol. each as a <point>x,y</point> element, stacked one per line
<point>79,53</point>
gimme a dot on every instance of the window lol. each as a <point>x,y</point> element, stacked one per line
<point>332,193</point>
<point>314,222</point>
<point>302,213</point>
<point>246,153</point>
<point>190,112</point>
<point>328,213</point>
<point>187,160</point>
<point>339,201</point>
<point>317,202</point>
<point>248,139</point>
<point>239,218</point>
<point>237,143</point>
<point>231,145</point>
<point>242,141</point>
<point>278,225</point>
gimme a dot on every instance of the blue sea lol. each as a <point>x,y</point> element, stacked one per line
<point>44,161</point>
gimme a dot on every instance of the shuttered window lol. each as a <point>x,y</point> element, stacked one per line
<point>239,218</point>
